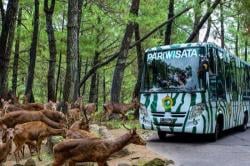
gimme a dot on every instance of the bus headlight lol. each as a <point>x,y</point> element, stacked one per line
<point>143,110</point>
<point>196,111</point>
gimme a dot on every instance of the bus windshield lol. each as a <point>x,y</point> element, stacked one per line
<point>173,69</point>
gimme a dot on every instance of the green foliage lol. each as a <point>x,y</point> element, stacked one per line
<point>102,29</point>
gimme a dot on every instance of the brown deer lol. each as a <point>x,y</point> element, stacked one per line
<point>3,129</point>
<point>8,107</point>
<point>33,131</point>
<point>90,108</point>
<point>5,148</point>
<point>120,108</point>
<point>79,134</point>
<point>79,129</point>
<point>19,117</point>
<point>92,149</point>
<point>50,106</point>
<point>2,113</point>
<point>80,124</point>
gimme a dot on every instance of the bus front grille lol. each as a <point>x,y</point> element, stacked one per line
<point>158,114</point>
<point>178,115</point>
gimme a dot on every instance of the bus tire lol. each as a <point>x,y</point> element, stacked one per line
<point>243,127</point>
<point>218,130</point>
<point>162,135</point>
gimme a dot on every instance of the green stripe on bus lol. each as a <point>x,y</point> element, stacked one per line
<point>193,99</point>
<point>184,125</point>
<point>175,97</point>
<point>147,102</point>
<point>182,102</point>
<point>154,103</point>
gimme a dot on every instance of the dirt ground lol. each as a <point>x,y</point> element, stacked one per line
<point>131,154</point>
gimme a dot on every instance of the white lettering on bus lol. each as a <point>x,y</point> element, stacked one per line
<point>172,54</point>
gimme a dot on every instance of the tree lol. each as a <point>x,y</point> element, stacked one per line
<point>202,21</point>
<point>33,52</point>
<point>72,52</point>
<point>197,17</point>
<point>168,31</point>
<point>140,61</point>
<point>52,49</point>
<point>122,55</point>
<point>6,41</point>
<point>222,26</point>
<point>16,55</point>
<point>209,23</point>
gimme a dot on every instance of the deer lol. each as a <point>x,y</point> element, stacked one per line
<point>90,108</point>
<point>5,148</point>
<point>3,129</point>
<point>92,149</point>
<point>8,107</point>
<point>33,131</point>
<point>80,124</point>
<point>2,113</point>
<point>79,129</point>
<point>13,118</point>
<point>50,106</point>
<point>120,108</point>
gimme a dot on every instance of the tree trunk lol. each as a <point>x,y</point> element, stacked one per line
<point>33,51</point>
<point>246,51</point>
<point>104,88</point>
<point>209,23</point>
<point>60,63</point>
<point>52,49</point>
<point>16,55</point>
<point>72,52</point>
<point>168,31</point>
<point>85,72</point>
<point>6,41</point>
<point>76,91</point>
<point>202,21</point>
<point>122,57</point>
<point>58,72</point>
<point>139,52</point>
<point>2,11</point>
<point>222,26</point>
<point>140,58</point>
<point>97,91</point>
<point>93,84</point>
<point>197,18</point>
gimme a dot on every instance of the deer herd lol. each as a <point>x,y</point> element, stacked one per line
<point>29,124</point>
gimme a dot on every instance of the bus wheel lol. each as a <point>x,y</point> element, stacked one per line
<point>218,128</point>
<point>162,135</point>
<point>243,127</point>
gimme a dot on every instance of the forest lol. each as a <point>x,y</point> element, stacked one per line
<point>60,50</point>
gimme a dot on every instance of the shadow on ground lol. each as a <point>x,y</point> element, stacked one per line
<point>194,139</point>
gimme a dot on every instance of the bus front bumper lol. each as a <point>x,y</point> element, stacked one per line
<point>194,126</point>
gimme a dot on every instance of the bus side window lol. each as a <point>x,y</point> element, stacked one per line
<point>221,77</point>
<point>234,80</point>
<point>228,77</point>
<point>212,61</point>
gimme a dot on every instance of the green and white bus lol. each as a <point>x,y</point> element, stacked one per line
<point>196,88</point>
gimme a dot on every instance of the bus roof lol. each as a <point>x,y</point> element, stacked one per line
<point>226,54</point>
